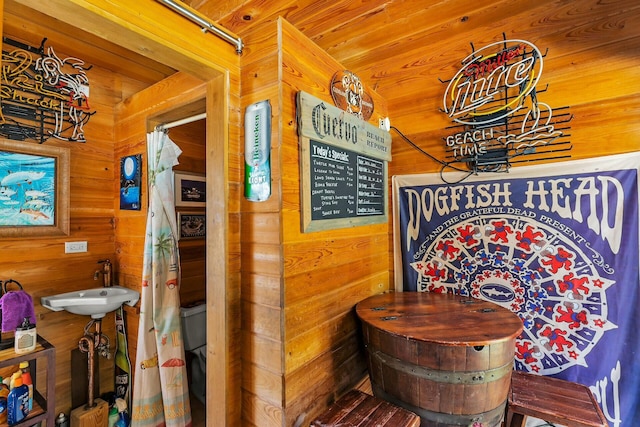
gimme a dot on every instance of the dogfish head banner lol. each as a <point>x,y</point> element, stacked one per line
<point>557,244</point>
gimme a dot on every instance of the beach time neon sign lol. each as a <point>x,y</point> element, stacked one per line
<point>493,102</point>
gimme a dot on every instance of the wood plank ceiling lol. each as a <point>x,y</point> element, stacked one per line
<point>403,47</point>
<point>93,50</point>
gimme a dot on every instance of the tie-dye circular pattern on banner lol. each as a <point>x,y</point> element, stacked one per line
<point>535,271</point>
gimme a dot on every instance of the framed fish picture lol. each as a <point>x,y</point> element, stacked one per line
<point>34,190</point>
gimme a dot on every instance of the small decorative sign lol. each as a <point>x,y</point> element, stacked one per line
<point>324,122</point>
<point>257,151</point>
<point>343,165</point>
<point>192,225</point>
<point>190,190</point>
<point>349,95</point>
<point>43,96</point>
<point>130,182</point>
<point>498,118</point>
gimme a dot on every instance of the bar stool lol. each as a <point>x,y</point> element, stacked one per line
<point>356,408</point>
<point>552,400</point>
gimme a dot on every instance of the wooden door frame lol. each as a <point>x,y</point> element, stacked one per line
<point>218,360</point>
<point>214,105</point>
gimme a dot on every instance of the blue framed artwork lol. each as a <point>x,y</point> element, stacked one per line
<point>34,190</point>
<point>130,182</point>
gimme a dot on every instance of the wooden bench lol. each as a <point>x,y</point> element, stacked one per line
<point>363,410</point>
<point>551,400</point>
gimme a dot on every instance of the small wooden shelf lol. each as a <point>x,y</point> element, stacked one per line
<point>43,408</point>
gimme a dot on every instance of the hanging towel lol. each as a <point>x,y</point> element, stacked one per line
<point>15,306</point>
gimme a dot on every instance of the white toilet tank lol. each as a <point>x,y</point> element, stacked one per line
<point>194,326</point>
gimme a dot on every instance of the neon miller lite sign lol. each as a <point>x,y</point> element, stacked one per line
<point>485,94</point>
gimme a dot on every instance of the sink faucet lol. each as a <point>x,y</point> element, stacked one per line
<point>107,278</point>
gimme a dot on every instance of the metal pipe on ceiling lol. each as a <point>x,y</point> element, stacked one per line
<point>204,24</point>
<point>180,122</point>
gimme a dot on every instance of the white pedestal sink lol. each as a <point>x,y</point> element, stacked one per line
<point>95,302</point>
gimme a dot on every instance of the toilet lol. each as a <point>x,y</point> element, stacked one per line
<point>193,319</point>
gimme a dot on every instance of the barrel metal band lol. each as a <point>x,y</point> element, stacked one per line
<point>449,377</point>
<point>490,418</point>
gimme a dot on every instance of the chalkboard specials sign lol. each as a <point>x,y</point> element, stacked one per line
<point>343,167</point>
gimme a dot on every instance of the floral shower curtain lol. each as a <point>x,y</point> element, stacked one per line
<point>160,390</point>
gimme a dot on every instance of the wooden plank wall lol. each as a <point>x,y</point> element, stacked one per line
<point>302,344</point>
<point>261,239</point>
<point>591,66</point>
<point>40,264</point>
<point>94,205</point>
<point>326,273</point>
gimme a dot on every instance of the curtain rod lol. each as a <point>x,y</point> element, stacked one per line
<point>206,25</point>
<point>184,121</point>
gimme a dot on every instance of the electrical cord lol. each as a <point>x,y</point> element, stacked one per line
<point>445,165</point>
<point>416,147</point>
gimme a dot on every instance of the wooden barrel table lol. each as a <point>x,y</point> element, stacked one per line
<point>447,358</point>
